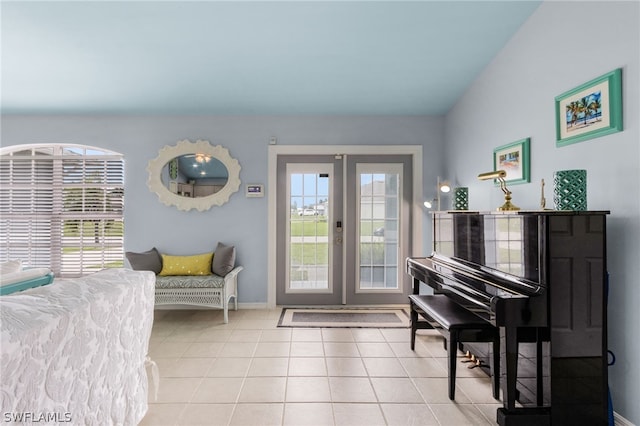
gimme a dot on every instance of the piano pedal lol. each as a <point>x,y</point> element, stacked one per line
<point>470,357</point>
<point>478,363</point>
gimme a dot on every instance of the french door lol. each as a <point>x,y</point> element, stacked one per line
<point>343,229</point>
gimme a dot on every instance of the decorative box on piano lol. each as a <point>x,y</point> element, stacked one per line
<point>540,276</point>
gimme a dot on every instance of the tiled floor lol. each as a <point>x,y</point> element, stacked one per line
<point>249,372</point>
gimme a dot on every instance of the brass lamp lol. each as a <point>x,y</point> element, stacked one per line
<point>499,175</point>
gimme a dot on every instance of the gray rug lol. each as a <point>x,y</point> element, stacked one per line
<point>344,318</point>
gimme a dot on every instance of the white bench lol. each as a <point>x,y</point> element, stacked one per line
<point>211,291</point>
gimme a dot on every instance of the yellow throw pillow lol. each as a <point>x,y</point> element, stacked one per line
<point>199,264</point>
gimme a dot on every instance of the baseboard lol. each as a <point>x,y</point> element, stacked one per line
<point>618,420</point>
<point>196,308</point>
<point>252,305</point>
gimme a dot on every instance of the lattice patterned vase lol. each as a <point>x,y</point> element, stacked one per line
<point>570,190</point>
<point>461,198</point>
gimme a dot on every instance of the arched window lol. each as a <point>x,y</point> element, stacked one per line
<point>61,207</point>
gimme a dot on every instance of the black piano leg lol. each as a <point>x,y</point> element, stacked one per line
<point>452,355</point>
<point>495,368</point>
<point>414,326</point>
<point>511,366</point>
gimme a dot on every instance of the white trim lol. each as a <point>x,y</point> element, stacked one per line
<point>618,420</point>
<point>272,163</point>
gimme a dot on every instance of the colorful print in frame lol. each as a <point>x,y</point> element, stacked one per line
<point>513,158</point>
<point>591,110</point>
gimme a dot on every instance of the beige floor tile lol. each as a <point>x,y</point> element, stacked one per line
<point>306,335</point>
<point>308,414</point>
<point>214,336</point>
<point>281,335</point>
<point>256,324</point>
<point>207,414</point>
<point>249,372</point>
<point>408,414</point>
<point>268,367</point>
<point>162,415</point>
<point>306,349</point>
<point>307,367</point>
<point>229,367</point>
<point>490,411</point>
<point>396,334</point>
<point>263,389</point>
<point>341,349</point>
<point>176,389</point>
<point>345,367</point>
<point>203,350</point>
<point>369,335</point>
<point>218,390</point>
<point>245,336</point>
<point>187,367</point>
<point>396,390</point>
<point>423,367</point>
<point>168,350</point>
<point>403,350</point>
<point>237,349</point>
<point>351,389</point>
<point>384,367</point>
<point>436,391</point>
<point>375,350</point>
<point>358,415</point>
<point>308,389</point>
<point>476,389</point>
<point>257,415</point>
<point>459,415</point>
<point>337,335</point>
<point>272,349</point>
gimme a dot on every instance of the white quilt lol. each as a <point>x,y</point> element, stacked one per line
<point>74,351</point>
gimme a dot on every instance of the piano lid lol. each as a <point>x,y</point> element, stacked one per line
<point>507,244</point>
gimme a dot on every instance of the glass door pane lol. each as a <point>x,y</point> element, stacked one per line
<point>309,251</point>
<point>379,190</point>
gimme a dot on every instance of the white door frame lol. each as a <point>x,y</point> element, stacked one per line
<point>275,150</point>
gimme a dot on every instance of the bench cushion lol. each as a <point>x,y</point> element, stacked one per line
<point>447,312</point>
<point>190,281</point>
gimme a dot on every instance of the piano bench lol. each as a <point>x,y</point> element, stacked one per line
<point>456,324</point>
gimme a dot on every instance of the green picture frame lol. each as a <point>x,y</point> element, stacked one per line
<point>591,110</point>
<point>514,159</point>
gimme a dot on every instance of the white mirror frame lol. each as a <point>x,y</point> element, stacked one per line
<point>183,147</point>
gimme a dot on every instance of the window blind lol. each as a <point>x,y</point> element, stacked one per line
<point>61,207</point>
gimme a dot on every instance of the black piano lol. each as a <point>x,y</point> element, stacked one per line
<point>540,276</point>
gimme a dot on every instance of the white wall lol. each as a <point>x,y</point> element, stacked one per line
<point>242,221</point>
<point>562,45</point>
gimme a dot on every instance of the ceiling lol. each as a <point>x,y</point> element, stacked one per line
<point>248,58</point>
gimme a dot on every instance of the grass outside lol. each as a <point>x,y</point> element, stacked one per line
<point>309,226</point>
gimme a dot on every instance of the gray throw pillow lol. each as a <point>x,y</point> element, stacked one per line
<point>147,261</point>
<point>224,259</point>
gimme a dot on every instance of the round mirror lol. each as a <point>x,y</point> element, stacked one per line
<point>194,175</point>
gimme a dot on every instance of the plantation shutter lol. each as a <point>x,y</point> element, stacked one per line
<point>61,207</point>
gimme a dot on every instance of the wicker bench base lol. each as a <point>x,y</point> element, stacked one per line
<point>209,297</point>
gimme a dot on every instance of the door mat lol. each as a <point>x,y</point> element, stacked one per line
<point>344,318</point>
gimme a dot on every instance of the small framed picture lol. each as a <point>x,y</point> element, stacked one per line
<point>591,110</point>
<point>513,158</point>
<point>255,190</point>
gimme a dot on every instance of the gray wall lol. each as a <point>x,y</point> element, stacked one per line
<point>242,221</point>
<point>553,52</point>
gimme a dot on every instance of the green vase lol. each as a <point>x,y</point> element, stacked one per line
<point>461,198</point>
<point>570,190</point>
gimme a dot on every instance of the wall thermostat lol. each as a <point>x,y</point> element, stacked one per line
<point>255,190</point>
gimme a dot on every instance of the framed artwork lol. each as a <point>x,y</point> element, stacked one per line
<point>591,110</point>
<point>513,158</point>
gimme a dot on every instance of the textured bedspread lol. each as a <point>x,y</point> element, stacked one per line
<point>74,351</point>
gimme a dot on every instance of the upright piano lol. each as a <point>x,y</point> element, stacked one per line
<point>541,277</point>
